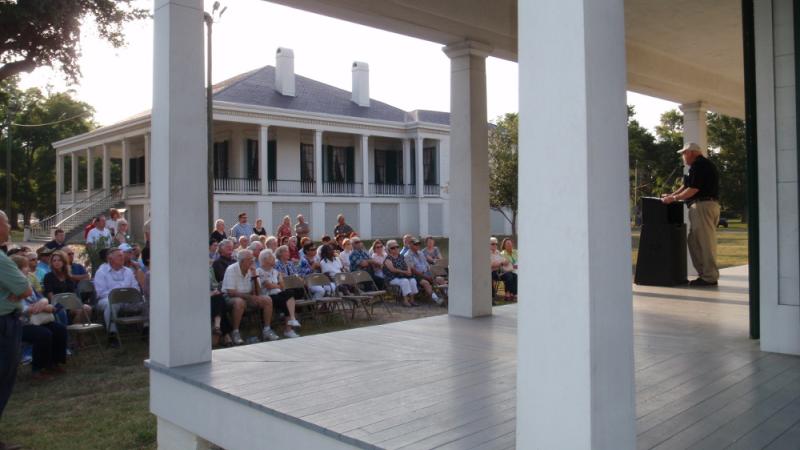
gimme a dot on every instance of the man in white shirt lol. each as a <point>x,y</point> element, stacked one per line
<point>237,284</point>
<point>111,276</point>
<point>99,231</point>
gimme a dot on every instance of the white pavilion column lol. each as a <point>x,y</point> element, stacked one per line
<point>365,164</point>
<point>180,210</point>
<point>575,385</point>
<point>318,160</point>
<point>89,172</point>
<point>418,148</point>
<point>263,160</point>
<point>73,157</point>
<point>147,165</point>
<point>59,180</point>
<point>125,169</point>
<point>695,127</point>
<point>106,170</point>
<point>470,281</point>
<point>406,163</point>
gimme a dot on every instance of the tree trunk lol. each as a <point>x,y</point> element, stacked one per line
<point>514,224</point>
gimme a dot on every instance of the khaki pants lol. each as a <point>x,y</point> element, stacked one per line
<point>703,220</point>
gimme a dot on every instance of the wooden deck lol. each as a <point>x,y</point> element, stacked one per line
<point>449,383</point>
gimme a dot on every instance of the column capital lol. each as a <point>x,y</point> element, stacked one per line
<point>694,106</point>
<point>467,48</point>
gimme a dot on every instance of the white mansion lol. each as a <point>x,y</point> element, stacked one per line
<point>283,145</point>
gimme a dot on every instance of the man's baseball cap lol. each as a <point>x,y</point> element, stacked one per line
<point>126,248</point>
<point>690,147</point>
<point>415,241</point>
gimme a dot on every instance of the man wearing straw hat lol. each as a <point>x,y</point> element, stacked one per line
<point>700,191</point>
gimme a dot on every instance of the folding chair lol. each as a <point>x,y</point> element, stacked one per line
<point>121,297</point>
<point>86,290</point>
<point>330,303</point>
<point>71,302</point>
<point>347,280</point>
<point>365,285</point>
<point>301,303</point>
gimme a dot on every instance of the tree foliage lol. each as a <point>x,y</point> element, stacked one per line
<point>32,154</point>
<point>503,167</point>
<point>726,139</point>
<point>36,33</point>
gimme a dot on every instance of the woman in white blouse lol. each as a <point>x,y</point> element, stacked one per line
<point>270,282</point>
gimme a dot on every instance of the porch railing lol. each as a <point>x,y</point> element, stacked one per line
<point>342,188</point>
<point>431,190</point>
<point>237,185</point>
<point>135,190</point>
<point>291,187</point>
<point>391,190</point>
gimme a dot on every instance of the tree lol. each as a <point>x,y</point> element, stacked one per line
<point>36,33</point>
<point>726,138</point>
<point>40,119</point>
<point>503,167</point>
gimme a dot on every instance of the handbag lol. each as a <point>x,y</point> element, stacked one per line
<point>42,318</point>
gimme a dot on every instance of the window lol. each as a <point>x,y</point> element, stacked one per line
<point>388,167</point>
<point>430,169</point>
<point>306,162</point>
<point>339,164</point>
<point>221,159</point>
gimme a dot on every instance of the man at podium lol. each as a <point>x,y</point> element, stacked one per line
<point>700,191</point>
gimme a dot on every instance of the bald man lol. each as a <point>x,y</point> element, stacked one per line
<point>700,191</point>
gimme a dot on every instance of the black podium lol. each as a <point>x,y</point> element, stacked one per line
<point>662,245</point>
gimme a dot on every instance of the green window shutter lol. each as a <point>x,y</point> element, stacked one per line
<point>272,160</point>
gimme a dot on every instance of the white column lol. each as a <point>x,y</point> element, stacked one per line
<point>365,169</point>
<point>264,211</point>
<point>147,165</point>
<point>317,220</point>
<point>318,160</point>
<point>106,170</point>
<point>125,170</point>
<point>406,163</point>
<point>89,172</point>
<point>418,149</point>
<point>59,180</point>
<point>73,157</point>
<point>180,210</point>
<point>173,437</point>
<point>470,280</point>
<point>365,220</point>
<point>263,160</point>
<point>695,127</point>
<point>575,385</point>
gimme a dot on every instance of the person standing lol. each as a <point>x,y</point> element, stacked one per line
<point>301,228</point>
<point>342,228</point>
<point>242,228</point>
<point>13,288</point>
<point>58,240</point>
<point>700,191</point>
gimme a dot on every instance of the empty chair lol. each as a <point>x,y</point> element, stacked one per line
<point>365,285</point>
<point>71,302</point>
<point>347,281</point>
<point>127,308</point>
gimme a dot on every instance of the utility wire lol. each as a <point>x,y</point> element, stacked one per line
<point>50,123</point>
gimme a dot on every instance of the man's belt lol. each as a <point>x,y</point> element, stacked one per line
<point>703,199</point>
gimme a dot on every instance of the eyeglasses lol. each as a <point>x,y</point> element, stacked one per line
<point>393,247</point>
<point>494,244</point>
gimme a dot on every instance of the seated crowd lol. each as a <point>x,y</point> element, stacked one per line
<point>247,269</point>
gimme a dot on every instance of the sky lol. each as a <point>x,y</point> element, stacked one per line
<point>404,72</point>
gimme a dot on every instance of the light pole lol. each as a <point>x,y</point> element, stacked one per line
<point>209,20</point>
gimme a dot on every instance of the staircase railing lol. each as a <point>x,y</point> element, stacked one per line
<point>70,218</point>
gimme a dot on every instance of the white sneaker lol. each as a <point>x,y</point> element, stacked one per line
<point>436,299</point>
<point>237,338</point>
<point>268,335</point>
<point>291,334</point>
<point>294,323</point>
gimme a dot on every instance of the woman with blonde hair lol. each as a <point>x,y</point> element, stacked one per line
<point>285,230</point>
<point>218,233</point>
<point>121,236</point>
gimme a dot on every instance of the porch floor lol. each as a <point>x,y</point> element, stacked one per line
<point>444,382</point>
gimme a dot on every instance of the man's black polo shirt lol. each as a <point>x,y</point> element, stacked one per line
<point>703,177</point>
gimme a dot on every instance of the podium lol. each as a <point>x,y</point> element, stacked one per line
<point>662,245</point>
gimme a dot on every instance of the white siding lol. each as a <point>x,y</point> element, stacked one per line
<point>384,220</point>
